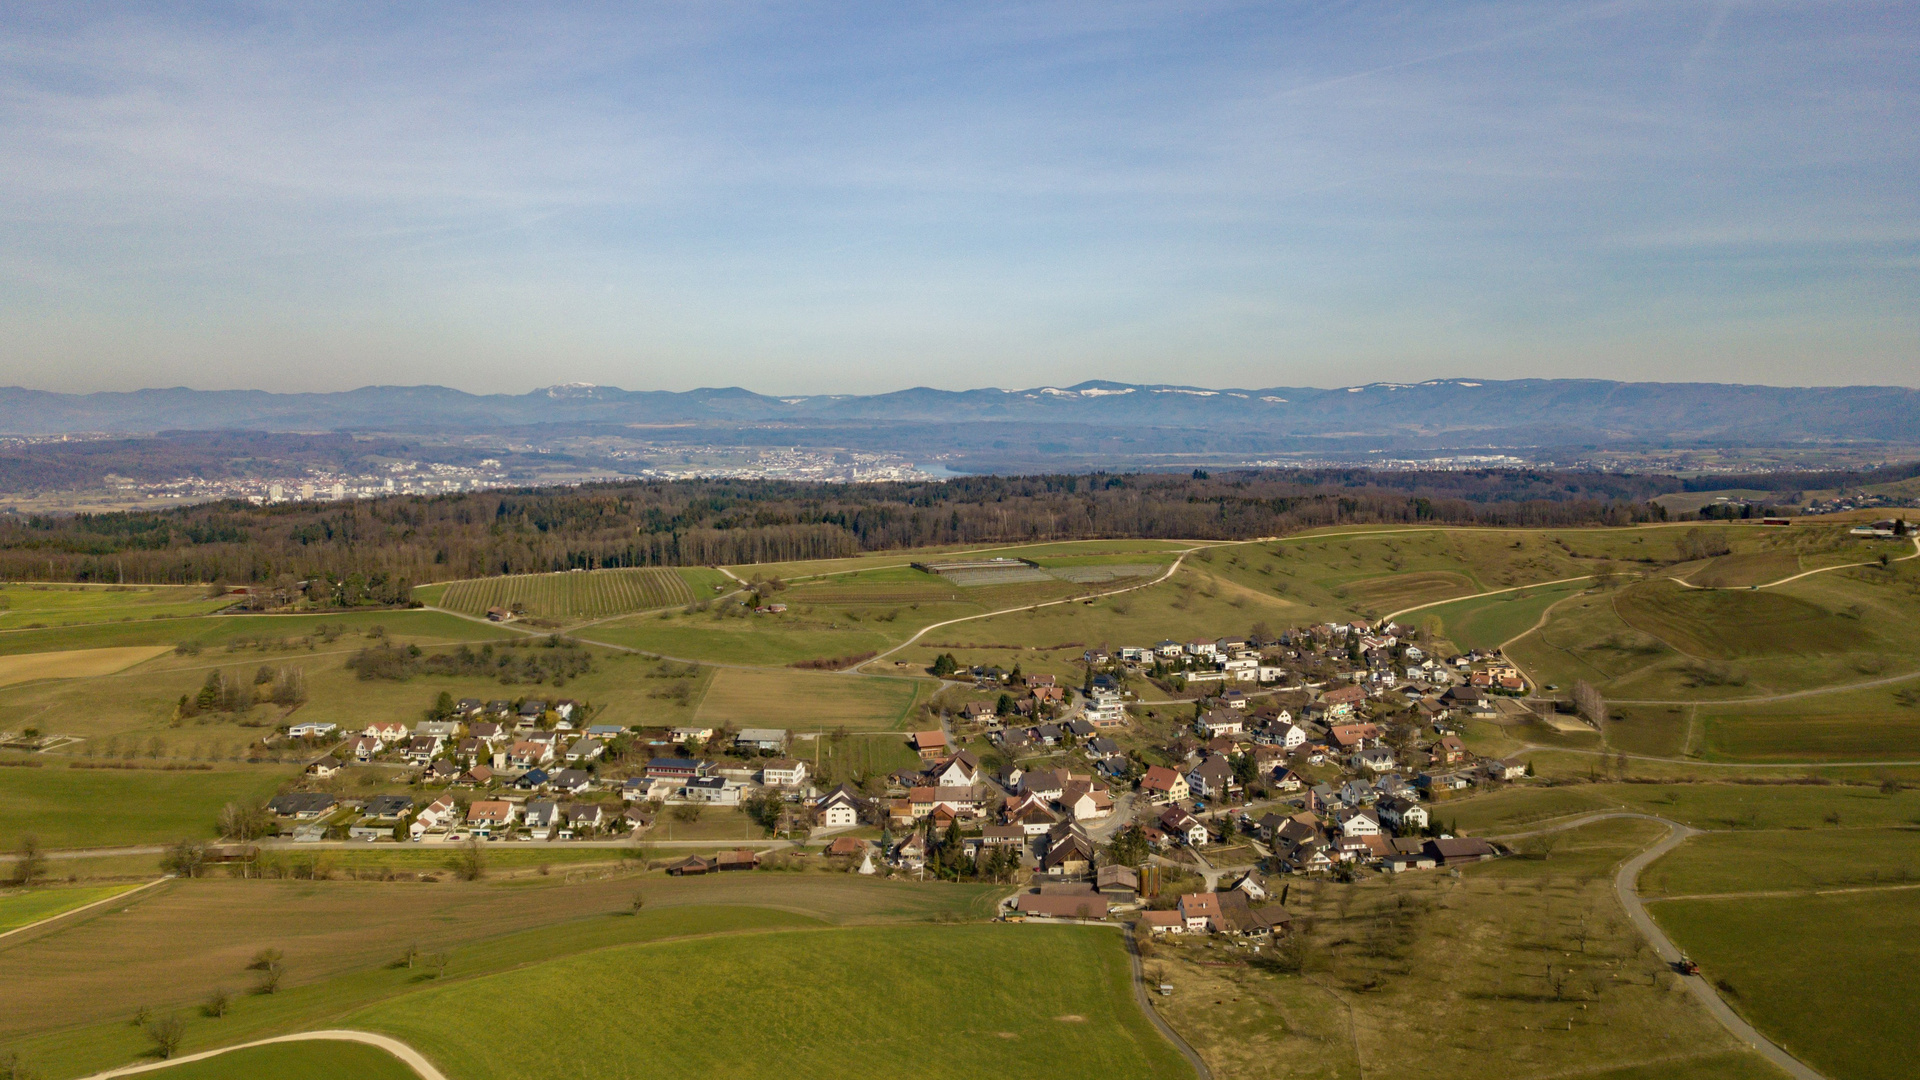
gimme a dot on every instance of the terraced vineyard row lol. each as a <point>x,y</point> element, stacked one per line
<point>588,594</point>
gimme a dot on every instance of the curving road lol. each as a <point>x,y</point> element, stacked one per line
<point>1625,886</point>
<point>414,1059</point>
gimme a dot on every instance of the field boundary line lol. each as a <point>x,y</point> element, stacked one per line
<point>1782,894</point>
<point>412,1058</point>
<point>83,907</point>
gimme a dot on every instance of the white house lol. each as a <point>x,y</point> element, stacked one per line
<point>1402,814</point>
<point>1359,823</point>
<point>840,809</point>
<point>783,772</point>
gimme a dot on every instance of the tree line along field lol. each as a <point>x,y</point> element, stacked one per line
<point>574,596</point>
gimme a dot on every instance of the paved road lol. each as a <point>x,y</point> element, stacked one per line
<point>1141,994</point>
<point>1625,886</point>
<point>414,1059</point>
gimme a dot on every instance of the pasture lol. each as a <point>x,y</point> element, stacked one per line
<point>1790,860</point>
<point>574,596</point>
<point>1487,622</point>
<point>1031,1000</point>
<point>83,808</point>
<point>306,1060</point>
<point>1730,625</point>
<point>773,640</point>
<point>177,943</point>
<point>74,663</point>
<point>1833,978</point>
<point>1659,640</point>
<point>36,604</point>
<point>1743,571</point>
<point>1703,805</point>
<point>25,906</point>
<point>808,701</point>
<point>1877,724</point>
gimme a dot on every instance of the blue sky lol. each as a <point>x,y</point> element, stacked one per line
<point>801,198</point>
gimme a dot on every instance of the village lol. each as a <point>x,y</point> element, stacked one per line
<point>1180,781</point>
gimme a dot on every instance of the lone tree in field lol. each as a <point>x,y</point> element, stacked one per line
<point>166,1033</point>
<point>1588,702</point>
<point>30,865</point>
<point>470,862</point>
<point>218,1002</point>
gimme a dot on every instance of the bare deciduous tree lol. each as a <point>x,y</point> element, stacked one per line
<point>167,1033</point>
<point>30,864</point>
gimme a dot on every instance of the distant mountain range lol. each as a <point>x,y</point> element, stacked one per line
<point>1438,412</point>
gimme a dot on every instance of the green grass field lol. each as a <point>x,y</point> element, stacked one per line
<point>1835,979</point>
<point>770,640</point>
<point>807,701</point>
<point>315,1059</point>
<point>1045,1001</point>
<point>1743,571</point>
<point>26,906</point>
<point>1878,724</point>
<point>570,597</point>
<point>217,631</point>
<point>1703,805</point>
<point>1730,625</point>
<point>76,808</point>
<point>1834,858</point>
<point>1490,621</point>
<point>27,605</point>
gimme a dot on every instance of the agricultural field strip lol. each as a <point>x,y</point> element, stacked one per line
<point>122,895</point>
<point>1626,889</point>
<point>1683,583</point>
<point>593,594</point>
<point>414,1059</point>
<point>1525,747</point>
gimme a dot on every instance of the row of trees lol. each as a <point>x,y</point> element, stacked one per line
<point>373,551</point>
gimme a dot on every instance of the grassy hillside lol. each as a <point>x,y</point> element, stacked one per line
<point>1048,1001</point>
<point>1835,979</point>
